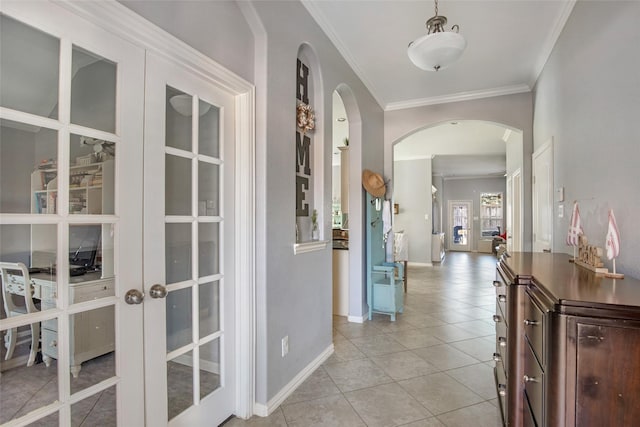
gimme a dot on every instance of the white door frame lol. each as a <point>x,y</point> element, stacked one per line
<point>514,211</point>
<point>467,247</point>
<point>539,211</point>
<point>125,23</point>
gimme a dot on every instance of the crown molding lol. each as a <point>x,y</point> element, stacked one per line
<point>132,27</point>
<point>327,28</point>
<point>551,41</point>
<point>458,97</point>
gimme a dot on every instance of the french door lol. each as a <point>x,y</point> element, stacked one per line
<point>460,216</point>
<point>71,110</point>
<point>188,247</point>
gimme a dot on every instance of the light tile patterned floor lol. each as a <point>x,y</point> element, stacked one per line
<point>432,367</point>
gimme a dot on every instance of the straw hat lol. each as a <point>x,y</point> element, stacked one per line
<point>373,183</point>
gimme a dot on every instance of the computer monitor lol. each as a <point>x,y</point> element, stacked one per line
<point>84,242</point>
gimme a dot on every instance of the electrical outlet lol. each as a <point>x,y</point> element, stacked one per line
<point>285,345</point>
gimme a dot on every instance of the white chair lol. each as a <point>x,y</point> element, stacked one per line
<point>16,281</point>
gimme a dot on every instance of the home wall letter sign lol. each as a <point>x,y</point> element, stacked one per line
<point>304,115</point>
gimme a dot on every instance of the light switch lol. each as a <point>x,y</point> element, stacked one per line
<point>426,217</point>
<point>560,211</point>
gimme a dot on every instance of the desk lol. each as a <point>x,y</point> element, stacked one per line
<point>92,333</point>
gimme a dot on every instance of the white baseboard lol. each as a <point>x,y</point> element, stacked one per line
<point>358,319</point>
<point>265,410</point>
<point>419,264</point>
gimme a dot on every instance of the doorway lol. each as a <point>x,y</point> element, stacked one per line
<point>543,198</point>
<point>340,207</point>
<point>460,220</point>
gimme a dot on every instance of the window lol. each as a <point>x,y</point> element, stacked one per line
<point>491,214</point>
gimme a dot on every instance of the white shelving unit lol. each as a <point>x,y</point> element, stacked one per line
<point>90,189</point>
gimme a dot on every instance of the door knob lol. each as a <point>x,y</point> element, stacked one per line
<point>133,296</point>
<point>157,291</point>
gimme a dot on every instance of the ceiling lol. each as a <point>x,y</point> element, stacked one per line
<point>508,43</point>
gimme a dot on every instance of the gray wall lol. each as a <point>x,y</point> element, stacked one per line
<point>412,191</point>
<point>215,28</point>
<point>468,189</point>
<point>17,161</point>
<point>514,111</point>
<point>588,99</point>
<point>295,295</point>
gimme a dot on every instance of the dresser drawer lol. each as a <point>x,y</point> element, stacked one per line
<point>501,342</point>
<point>501,295</point>
<point>534,322</point>
<point>501,389</point>
<point>51,324</point>
<point>92,290</point>
<point>50,343</point>
<point>533,380</point>
<point>529,420</point>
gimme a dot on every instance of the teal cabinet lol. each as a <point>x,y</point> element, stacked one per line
<point>385,285</point>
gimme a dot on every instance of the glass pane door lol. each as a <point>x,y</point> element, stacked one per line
<point>460,216</point>
<point>62,215</point>
<point>189,205</point>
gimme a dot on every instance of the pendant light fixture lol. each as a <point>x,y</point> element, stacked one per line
<point>439,48</point>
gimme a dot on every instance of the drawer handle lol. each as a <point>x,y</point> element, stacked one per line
<point>528,379</point>
<point>502,341</point>
<point>502,390</point>
<point>502,298</point>
<point>496,283</point>
<point>497,318</point>
<point>528,322</point>
<point>497,357</point>
<point>54,343</point>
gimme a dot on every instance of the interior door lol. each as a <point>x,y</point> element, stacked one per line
<point>188,248</point>
<point>70,213</point>
<point>460,216</point>
<point>543,198</point>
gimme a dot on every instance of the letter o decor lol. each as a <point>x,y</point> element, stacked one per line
<point>305,118</point>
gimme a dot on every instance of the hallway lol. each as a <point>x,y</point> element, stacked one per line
<point>432,367</point>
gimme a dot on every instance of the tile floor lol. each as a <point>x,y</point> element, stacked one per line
<point>432,367</point>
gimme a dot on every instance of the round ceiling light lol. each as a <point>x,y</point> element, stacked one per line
<point>439,48</point>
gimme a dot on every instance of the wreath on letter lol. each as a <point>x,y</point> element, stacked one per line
<point>305,118</point>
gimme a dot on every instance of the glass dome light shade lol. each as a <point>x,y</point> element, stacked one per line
<point>436,51</point>
<point>182,104</point>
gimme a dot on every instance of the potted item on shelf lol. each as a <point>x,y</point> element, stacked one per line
<point>315,232</point>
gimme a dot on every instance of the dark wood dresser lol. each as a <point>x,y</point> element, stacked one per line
<point>567,344</point>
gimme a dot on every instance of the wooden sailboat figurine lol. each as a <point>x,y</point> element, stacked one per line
<point>613,245</point>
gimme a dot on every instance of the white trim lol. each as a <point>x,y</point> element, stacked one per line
<point>130,26</point>
<point>245,254</point>
<point>358,319</point>
<point>327,28</point>
<point>551,41</point>
<point>273,404</point>
<point>303,248</point>
<point>419,264</point>
<point>457,97</point>
<point>489,176</point>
